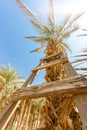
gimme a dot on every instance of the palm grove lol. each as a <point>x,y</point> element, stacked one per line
<point>59,113</point>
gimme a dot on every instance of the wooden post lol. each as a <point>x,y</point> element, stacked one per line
<point>80,99</point>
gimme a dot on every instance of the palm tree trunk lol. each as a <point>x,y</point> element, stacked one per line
<point>57,109</point>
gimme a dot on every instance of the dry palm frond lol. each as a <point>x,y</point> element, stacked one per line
<point>51,30</point>
<point>51,18</point>
<point>80,60</point>
<point>38,39</point>
<point>80,55</point>
<point>66,33</point>
<point>66,20</point>
<point>83,34</point>
<point>69,23</point>
<point>29,13</point>
<point>73,20</point>
<point>81,69</point>
<point>37,49</point>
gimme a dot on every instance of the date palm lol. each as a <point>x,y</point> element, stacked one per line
<point>9,82</point>
<point>52,39</point>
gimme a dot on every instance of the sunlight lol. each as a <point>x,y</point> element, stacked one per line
<point>71,7</point>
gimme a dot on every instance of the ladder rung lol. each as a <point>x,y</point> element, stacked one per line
<point>45,65</point>
<point>51,56</point>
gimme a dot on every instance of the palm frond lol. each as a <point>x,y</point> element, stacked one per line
<point>66,46</point>
<point>83,35</point>
<point>38,39</point>
<point>72,21</point>
<point>64,24</point>
<point>51,18</point>
<point>66,34</point>
<point>84,69</point>
<point>46,31</point>
<point>28,12</point>
<point>80,60</point>
<point>36,25</point>
<point>66,20</point>
<point>81,55</point>
<point>85,50</point>
<point>84,29</point>
<point>37,49</point>
<point>42,29</point>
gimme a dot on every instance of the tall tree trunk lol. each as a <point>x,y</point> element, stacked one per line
<point>57,109</point>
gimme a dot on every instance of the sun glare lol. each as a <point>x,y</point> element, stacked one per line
<point>71,7</point>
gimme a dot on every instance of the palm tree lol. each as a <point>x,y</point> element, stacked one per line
<point>10,80</point>
<point>52,39</point>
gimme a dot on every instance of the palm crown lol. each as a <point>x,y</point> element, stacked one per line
<point>51,30</point>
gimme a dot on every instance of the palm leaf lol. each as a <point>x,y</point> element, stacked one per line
<point>66,46</point>
<point>66,20</point>
<point>66,34</point>
<point>28,12</point>
<point>38,39</point>
<point>42,29</point>
<point>81,55</point>
<point>85,69</point>
<point>36,25</point>
<point>64,24</point>
<point>80,60</point>
<point>51,18</point>
<point>71,22</point>
<point>37,49</point>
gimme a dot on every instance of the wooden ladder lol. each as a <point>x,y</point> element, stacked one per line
<point>80,98</point>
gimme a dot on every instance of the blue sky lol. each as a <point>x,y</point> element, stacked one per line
<point>14,48</point>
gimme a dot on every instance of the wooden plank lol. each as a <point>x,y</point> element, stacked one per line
<point>51,56</point>
<point>70,70</point>
<point>69,86</point>
<point>45,65</point>
<point>81,102</point>
<point>79,98</point>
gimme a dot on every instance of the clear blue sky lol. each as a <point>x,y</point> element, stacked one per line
<point>14,48</point>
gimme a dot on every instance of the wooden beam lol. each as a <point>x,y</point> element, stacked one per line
<point>45,65</point>
<point>79,98</point>
<point>51,56</point>
<point>70,86</point>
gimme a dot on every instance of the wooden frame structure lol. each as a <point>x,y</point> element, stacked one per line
<point>74,85</point>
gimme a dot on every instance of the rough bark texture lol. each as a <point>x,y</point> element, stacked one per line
<point>58,109</point>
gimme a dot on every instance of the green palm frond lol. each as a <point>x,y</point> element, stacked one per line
<point>2,79</point>
<point>10,75</point>
<point>66,34</point>
<point>66,46</point>
<point>51,30</point>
